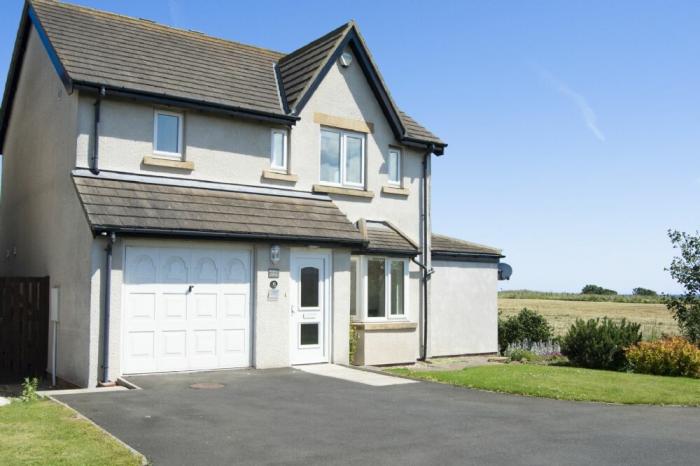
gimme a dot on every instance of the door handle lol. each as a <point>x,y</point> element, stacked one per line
<point>293,309</point>
<point>189,290</point>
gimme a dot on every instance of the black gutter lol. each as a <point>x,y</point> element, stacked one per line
<point>195,234</point>
<point>490,258</point>
<point>94,159</point>
<point>107,299</point>
<point>192,104</point>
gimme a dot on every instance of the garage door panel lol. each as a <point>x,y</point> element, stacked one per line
<point>142,306</point>
<point>205,306</point>
<point>174,307</point>
<point>193,315</point>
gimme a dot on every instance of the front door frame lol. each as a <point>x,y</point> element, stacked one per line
<point>326,328</point>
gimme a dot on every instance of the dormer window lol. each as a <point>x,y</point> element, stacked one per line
<point>394,166</point>
<point>342,158</point>
<point>278,153</point>
<point>167,134</point>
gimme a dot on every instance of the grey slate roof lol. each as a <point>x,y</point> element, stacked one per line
<point>299,67</point>
<point>98,48</point>
<point>146,207</point>
<point>446,245</point>
<point>383,237</point>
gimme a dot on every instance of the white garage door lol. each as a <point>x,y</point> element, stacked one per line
<point>186,309</point>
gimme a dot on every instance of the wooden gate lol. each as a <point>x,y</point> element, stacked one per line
<point>24,325</point>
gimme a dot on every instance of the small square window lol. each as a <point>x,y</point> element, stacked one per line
<point>167,134</point>
<point>394,166</point>
<point>278,152</point>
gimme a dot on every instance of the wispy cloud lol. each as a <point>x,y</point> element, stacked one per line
<point>175,8</point>
<point>586,111</point>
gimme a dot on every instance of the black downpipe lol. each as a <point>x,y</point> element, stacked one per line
<point>94,165</point>
<point>426,271</point>
<point>107,298</point>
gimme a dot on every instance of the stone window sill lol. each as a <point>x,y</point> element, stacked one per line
<point>395,190</point>
<point>168,163</point>
<point>378,326</point>
<point>279,176</point>
<point>322,188</point>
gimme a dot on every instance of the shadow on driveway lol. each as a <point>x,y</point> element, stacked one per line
<point>285,416</point>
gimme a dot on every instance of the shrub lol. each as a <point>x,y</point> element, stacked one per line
<point>354,337</point>
<point>595,289</point>
<point>538,348</point>
<point>643,292</point>
<point>526,325</point>
<point>518,354</point>
<point>671,356</point>
<point>600,344</point>
<point>29,388</point>
<point>685,269</point>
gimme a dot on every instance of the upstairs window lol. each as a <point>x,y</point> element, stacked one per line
<point>167,134</point>
<point>394,166</point>
<point>278,153</point>
<point>342,158</point>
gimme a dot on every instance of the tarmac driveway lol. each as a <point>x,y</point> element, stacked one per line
<point>287,416</point>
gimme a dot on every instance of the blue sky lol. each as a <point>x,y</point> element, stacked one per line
<point>573,127</point>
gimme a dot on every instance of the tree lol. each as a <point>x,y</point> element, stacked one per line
<point>595,289</point>
<point>643,292</point>
<point>685,269</point>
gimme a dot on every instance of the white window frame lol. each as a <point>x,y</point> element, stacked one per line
<point>398,166</point>
<point>358,288</point>
<point>343,136</point>
<point>180,125</point>
<point>283,132</point>
<point>362,293</point>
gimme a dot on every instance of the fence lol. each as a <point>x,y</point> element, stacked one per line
<point>24,325</point>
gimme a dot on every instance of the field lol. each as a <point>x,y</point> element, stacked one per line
<point>617,298</point>
<point>655,318</point>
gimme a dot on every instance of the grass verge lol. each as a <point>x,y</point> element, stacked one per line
<point>44,432</point>
<point>569,383</point>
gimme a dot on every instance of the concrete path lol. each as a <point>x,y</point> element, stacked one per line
<point>288,416</point>
<point>354,375</point>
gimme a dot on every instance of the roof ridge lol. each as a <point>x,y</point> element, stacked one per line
<point>156,25</point>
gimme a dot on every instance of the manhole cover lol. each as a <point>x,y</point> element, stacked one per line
<point>206,386</point>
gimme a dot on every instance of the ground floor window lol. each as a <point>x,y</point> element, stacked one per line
<point>378,287</point>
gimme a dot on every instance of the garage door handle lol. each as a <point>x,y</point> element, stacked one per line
<point>293,309</point>
<point>189,290</point>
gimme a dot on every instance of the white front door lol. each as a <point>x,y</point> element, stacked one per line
<point>310,306</point>
<point>186,309</point>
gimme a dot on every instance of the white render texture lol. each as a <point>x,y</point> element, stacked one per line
<point>43,231</point>
<point>463,311</point>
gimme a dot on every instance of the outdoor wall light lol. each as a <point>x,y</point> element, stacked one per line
<point>275,254</point>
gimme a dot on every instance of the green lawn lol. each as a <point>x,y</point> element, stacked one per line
<point>570,383</point>
<point>44,432</point>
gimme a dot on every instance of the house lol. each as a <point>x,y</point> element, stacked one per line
<point>202,204</point>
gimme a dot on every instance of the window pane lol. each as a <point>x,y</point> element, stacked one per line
<point>277,149</point>
<point>309,334</point>
<point>353,159</point>
<point>353,288</point>
<point>309,287</point>
<point>375,288</point>
<point>393,166</point>
<point>397,287</point>
<point>167,133</point>
<point>330,156</point>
